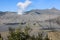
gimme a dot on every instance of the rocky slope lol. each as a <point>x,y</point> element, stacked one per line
<point>37,17</point>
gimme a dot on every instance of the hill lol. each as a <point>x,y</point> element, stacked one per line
<point>12,19</point>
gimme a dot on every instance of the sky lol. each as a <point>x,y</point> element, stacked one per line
<point>11,5</point>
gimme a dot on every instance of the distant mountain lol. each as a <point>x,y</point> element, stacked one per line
<point>36,15</point>
<point>3,13</point>
<point>36,11</point>
<point>44,11</point>
<point>31,17</point>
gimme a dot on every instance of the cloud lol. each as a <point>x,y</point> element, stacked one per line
<point>23,5</point>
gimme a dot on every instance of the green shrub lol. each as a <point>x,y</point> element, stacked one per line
<point>1,37</point>
<point>18,34</point>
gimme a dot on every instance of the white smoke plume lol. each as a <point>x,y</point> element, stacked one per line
<point>22,6</point>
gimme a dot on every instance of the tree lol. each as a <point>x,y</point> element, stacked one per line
<point>18,34</point>
<point>1,37</point>
<point>46,38</point>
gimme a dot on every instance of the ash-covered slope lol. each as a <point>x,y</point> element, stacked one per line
<point>29,15</point>
<point>45,11</point>
<point>33,17</point>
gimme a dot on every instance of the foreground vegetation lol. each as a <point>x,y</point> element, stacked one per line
<point>18,34</point>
